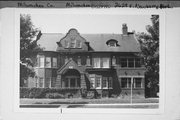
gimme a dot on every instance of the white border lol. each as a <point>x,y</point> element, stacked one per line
<point>110,11</point>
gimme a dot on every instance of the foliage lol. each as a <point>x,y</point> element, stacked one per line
<point>28,47</point>
<point>49,93</point>
<point>150,52</point>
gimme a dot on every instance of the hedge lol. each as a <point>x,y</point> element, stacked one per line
<point>49,93</point>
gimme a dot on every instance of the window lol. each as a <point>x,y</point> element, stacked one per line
<point>137,82</point>
<point>41,63</point>
<point>123,62</point>
<point>113,61</point>
<point>73,43</point>
<point>41,82</point>
<point>92,81</point>
<point>126,82</point>
<point>105,62</point>
<point>137,62</point>
<point>79,44</point>
<point>79,61</point>
<point>88,61</point>
<point>105,82</point>
<point>96,62</point>
<point>66,44</point>
<point>130,62</point>
<point>112,44</point>
<point>54,62</point>
<point>110,82</point>
<point>98,82</point>
<point>48,62</point>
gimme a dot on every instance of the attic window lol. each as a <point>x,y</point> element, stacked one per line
<point>112,43</point>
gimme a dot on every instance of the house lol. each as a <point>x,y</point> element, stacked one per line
<point>105,63</point>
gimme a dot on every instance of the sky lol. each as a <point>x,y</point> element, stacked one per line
<point>93,23</point>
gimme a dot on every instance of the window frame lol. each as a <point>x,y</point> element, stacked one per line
<point>102,62</point>
<point>67,44</point>
<point>110,82</point>
<point>99,60</point>
<point>135,82</point>
<point>43,63</point>
<point>128,62</point>
<point>54,66</point>
<point>88,61</point>
<point>79,44</point>
<point>48,61</point>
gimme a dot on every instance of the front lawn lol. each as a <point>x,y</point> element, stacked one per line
<point>88,101</point>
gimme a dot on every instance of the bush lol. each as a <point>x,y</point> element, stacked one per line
<point>54,95</point>
<point>49,93</point>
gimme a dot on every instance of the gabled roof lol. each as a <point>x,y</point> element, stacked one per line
<point>69,65</point>
<point>127,43</point>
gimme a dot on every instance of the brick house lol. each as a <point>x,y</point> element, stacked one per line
<point>99,62</point>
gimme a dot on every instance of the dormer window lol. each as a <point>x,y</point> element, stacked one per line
<point>73,43</point>
<point>79,44</point>
<point>66,44</point>
<point>112,43</point>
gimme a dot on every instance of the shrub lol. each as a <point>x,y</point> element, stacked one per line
<point>49,93</point>
<point>54,95</point>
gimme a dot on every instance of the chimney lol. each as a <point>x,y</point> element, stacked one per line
<point>124,29</point>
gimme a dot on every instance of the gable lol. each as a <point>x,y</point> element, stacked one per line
<point>69,65</point>
<point>72,40</point>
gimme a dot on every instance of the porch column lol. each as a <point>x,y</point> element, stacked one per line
<point>83,82</point>
<point>58,81</point>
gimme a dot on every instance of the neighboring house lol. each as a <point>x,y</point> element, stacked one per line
<point>100,62</point>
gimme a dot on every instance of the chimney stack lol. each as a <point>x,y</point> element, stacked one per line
<point>124,29</point>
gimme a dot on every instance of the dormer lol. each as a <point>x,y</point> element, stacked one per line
<point>112,43</point>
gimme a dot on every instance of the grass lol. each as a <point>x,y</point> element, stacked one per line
<point>88,101</point>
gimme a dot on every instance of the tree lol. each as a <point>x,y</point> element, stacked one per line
<point>149,43</point>
<point>28,47</point>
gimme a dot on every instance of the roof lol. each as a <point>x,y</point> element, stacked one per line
<point>127,43</point>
